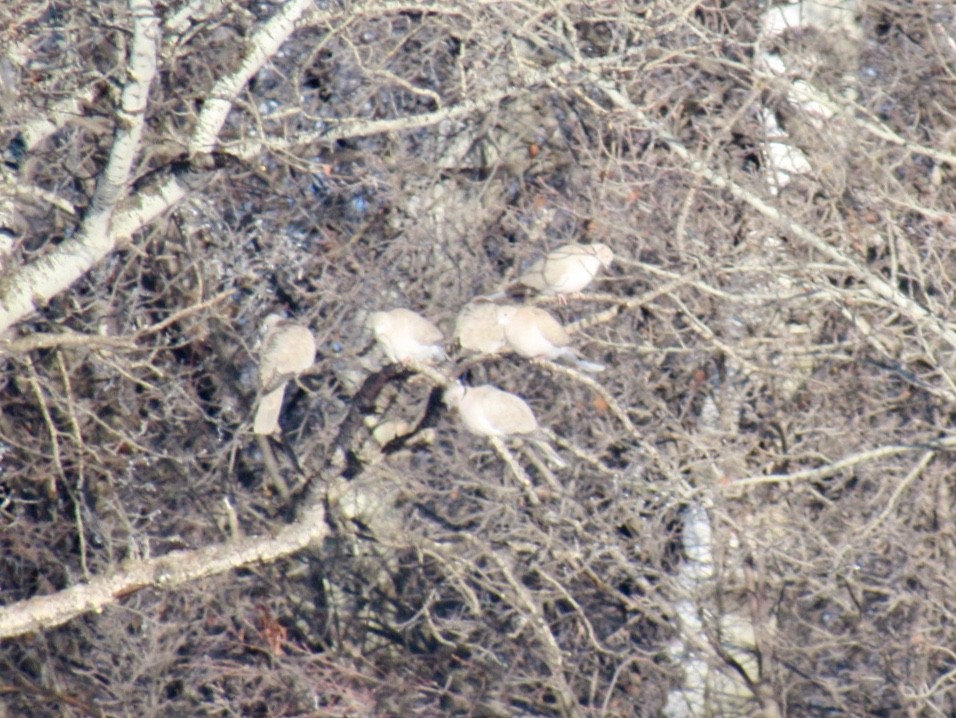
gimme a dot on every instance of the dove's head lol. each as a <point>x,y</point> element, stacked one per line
<point>271,322</point>
<point>379,322</point>
<point>603,253</point>
<point>454,394</point>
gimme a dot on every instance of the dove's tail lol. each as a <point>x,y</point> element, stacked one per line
<point>267,415</point>
<point>584,365</point>
<point>589,366</point>
<point>550,454</point>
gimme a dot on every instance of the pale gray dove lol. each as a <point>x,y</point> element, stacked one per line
<point>288,348</point>
<point>532,332</point>
<point>488,411</point>
<point>477,329</point>
<point>406,336</point>
<point>567,269</point>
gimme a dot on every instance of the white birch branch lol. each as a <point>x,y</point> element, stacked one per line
<point>105,228</point>
<point>61,113</point>
<point>265,43</point>
<point>173,569</point>
<point>43,279</point>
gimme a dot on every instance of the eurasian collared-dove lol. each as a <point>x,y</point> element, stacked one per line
<point>288,348</point>
<point>488,411</point>
<point>532,332</point>
<point>407,336</point>
<point>567,269</point>
<point>477,329</point>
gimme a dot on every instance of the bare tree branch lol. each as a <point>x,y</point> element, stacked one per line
<point>168,571</point>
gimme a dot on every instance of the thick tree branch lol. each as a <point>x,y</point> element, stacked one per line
<point>104,229</point>
<point>40,281</point>
<point>173,569</point>
<point>263,45</point>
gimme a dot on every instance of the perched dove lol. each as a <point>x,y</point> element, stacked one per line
<point>488,411</point>
<point>567,269</point>
<point>477,329</point>
<point>288,348</point>
<point>407,336</point>
<point>532,332</point>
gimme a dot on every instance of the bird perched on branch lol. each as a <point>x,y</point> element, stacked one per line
<point>288,348</point>
<point>477,329</point>
<point>407,336</point>
<point>567,269</point>
<point>488,411</point>
<point>532,332</point>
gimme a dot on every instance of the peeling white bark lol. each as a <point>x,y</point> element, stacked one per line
<point>264,45</point>
<point>106,227</point>
<point>40,281</point>
<point>61,113</point>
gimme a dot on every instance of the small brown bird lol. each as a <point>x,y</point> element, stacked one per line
<point>407,336</point>
<point>288,348</point>
<point>488,411</point>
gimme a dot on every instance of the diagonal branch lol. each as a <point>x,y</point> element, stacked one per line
<point>43,279</point>
<point>173,569</point>
<point>912,310</point>
<point>265,43</point>
<point>105,228</point>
